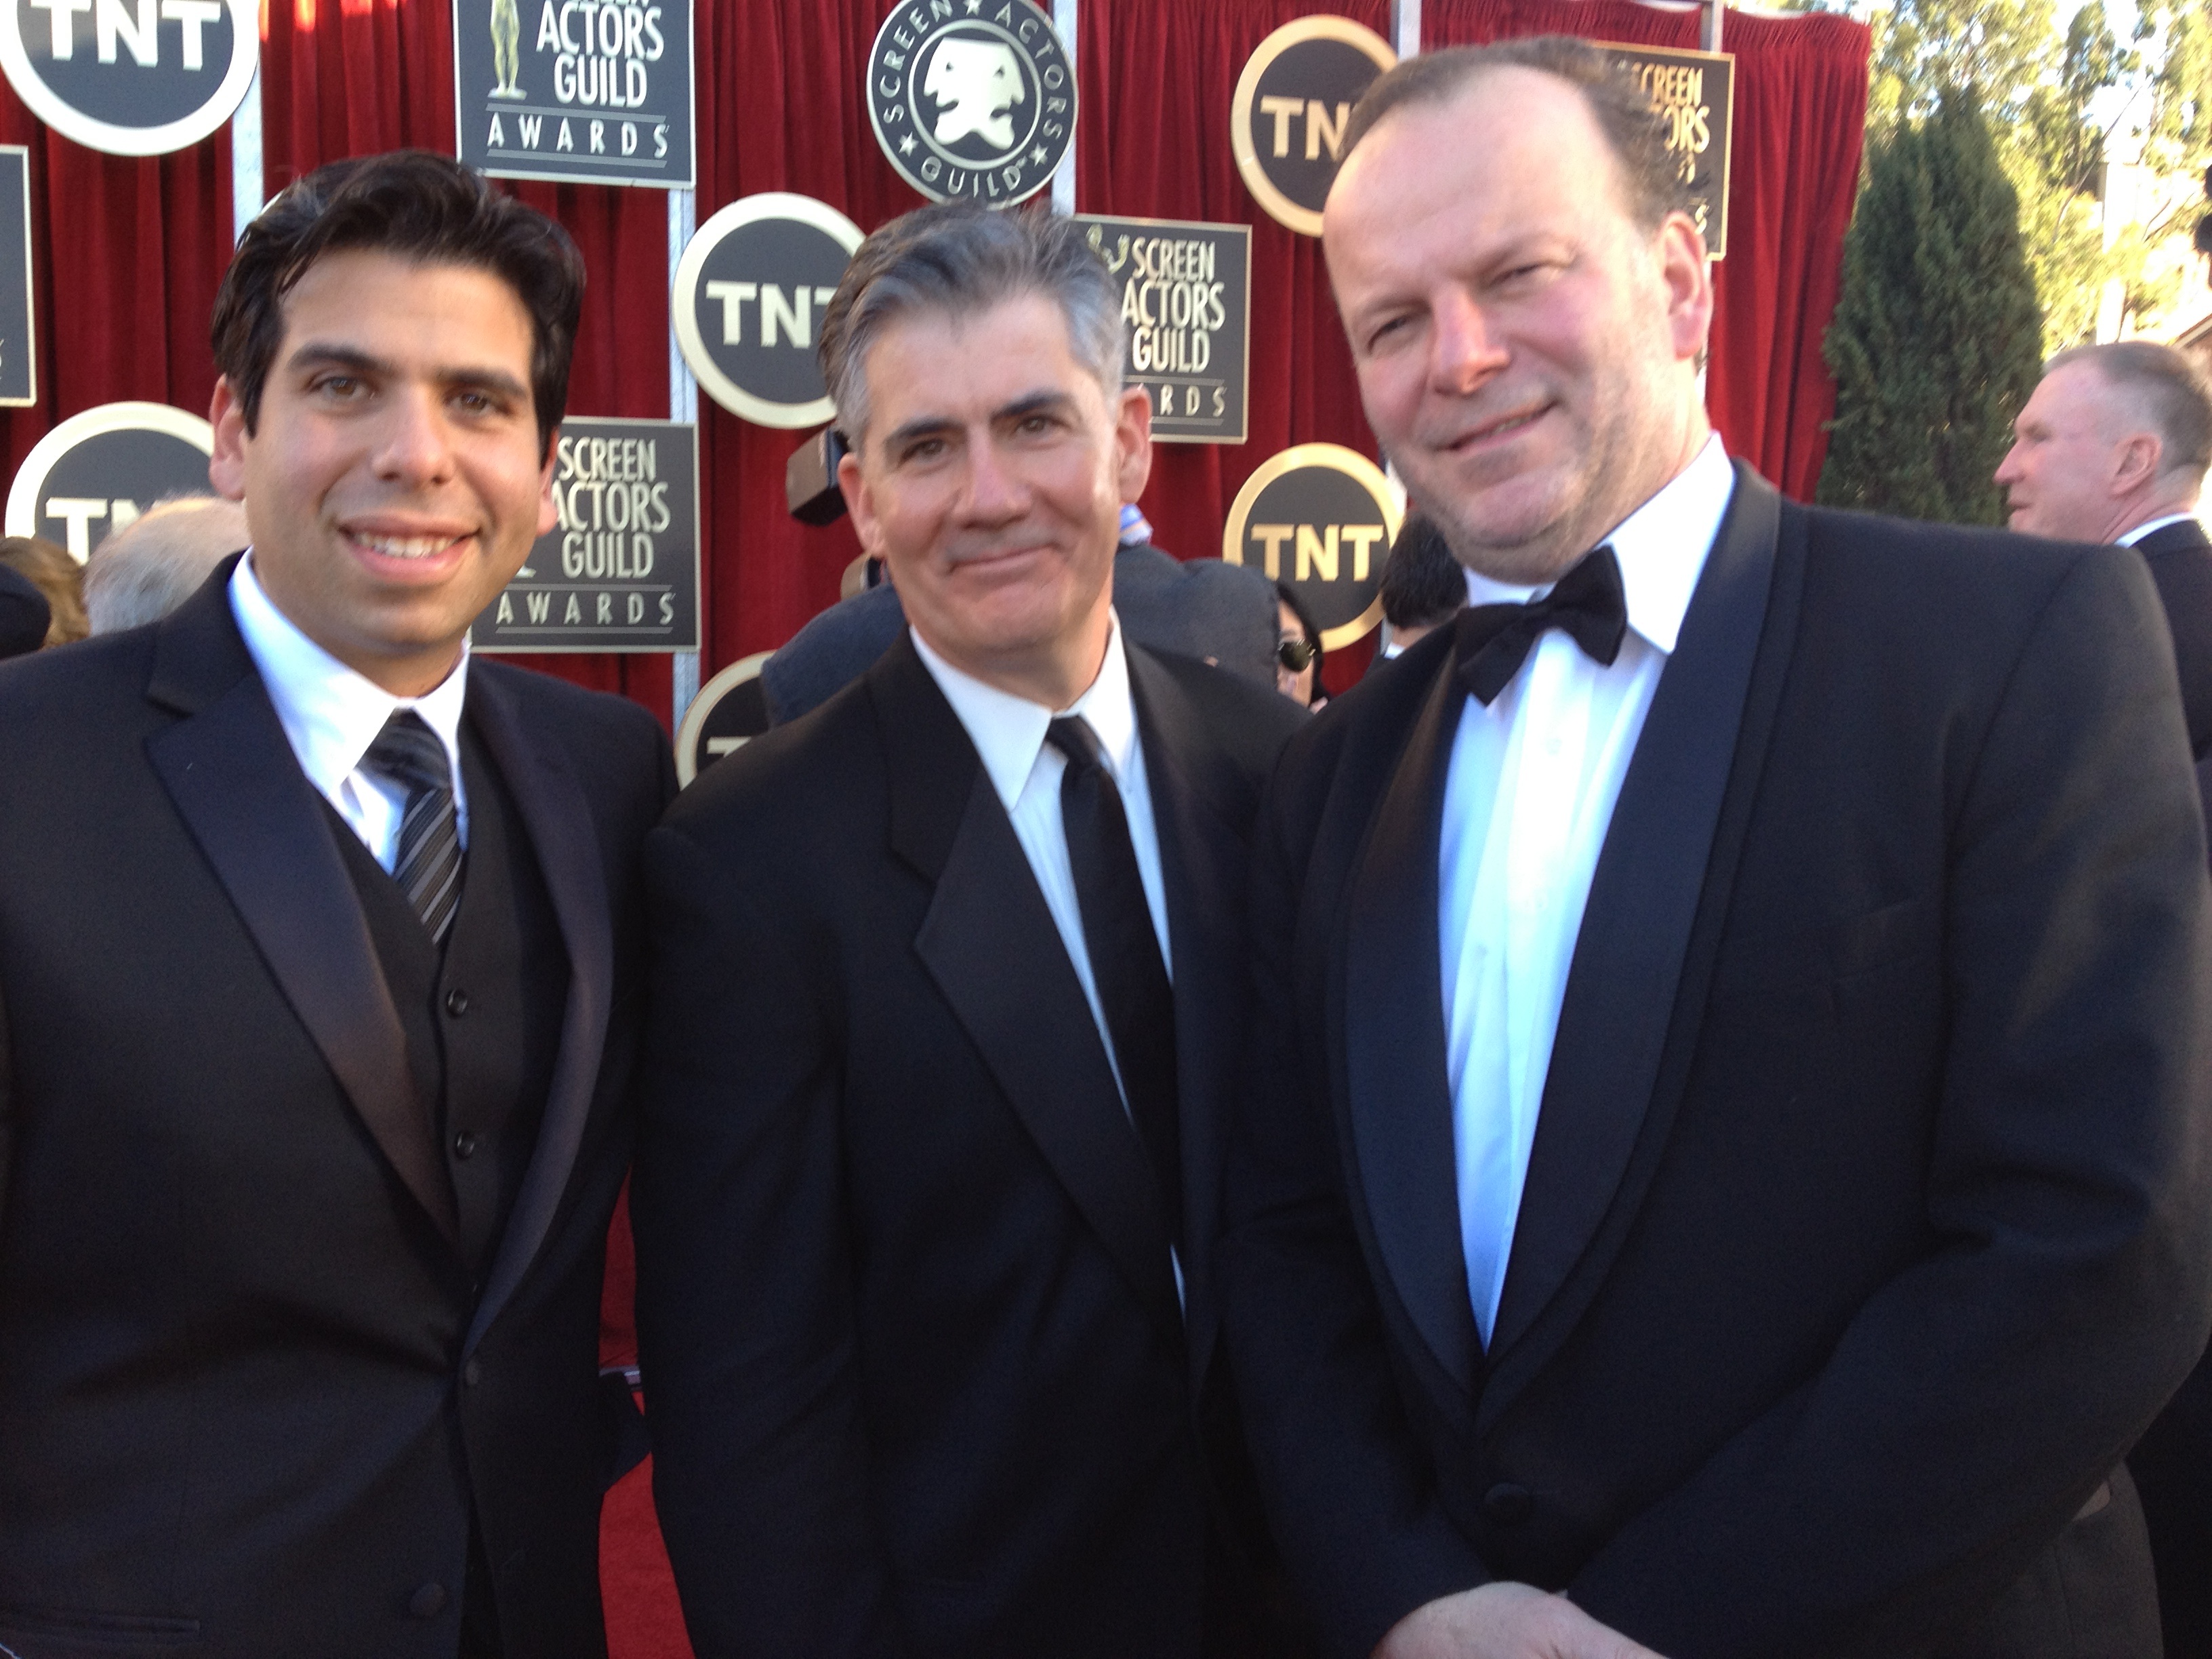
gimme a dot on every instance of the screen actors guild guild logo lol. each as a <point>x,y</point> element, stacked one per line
<point>972,99</point>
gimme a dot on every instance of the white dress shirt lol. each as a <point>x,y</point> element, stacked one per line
<point>1529,794</point>
<point>331,714</point>
<point>2130,538</point>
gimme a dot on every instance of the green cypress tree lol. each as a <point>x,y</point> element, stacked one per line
<point>1937,339</point>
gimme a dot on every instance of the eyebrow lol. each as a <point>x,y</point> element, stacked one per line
<point>930,426</point>
<point>322,354</point>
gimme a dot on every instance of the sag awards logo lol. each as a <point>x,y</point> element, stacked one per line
<point>972,99</point>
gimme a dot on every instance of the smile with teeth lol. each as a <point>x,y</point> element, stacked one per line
<point>404,546</point>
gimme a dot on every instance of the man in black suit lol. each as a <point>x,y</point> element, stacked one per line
<point>2113,447</point>
<point>1727,1125</point>
<point>318,950</point>
<point>945,982</point>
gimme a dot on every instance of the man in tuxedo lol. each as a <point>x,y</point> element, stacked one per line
<point>945,1004</point>
<point>1722,1171</point>
<point>2113,447</point>
<point>319,945</point>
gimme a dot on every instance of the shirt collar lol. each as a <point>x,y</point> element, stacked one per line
<point>1008,731</point>
<point>1660,547</point>
<point>2129,539</point>
<point>330,712</point>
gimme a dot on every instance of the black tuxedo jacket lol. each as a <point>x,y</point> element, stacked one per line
<point>249,1396</point>
<point>2173,1464</point>
<point>1865,1225</point>
<point>915,1372</point>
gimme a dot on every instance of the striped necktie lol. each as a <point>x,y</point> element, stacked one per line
<point>428,864</point>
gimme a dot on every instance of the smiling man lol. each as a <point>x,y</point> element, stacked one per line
<point>1722,1166</point>
<point>946,986</point>
<point>316,944</point>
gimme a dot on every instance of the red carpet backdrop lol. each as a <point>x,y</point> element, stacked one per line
<point>127,254</point>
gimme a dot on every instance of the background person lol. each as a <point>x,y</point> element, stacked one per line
<point>1730,1076</point>
<point>318,943</point>
<point>1297,650</point>
<point>1423,586</point>
<point>141,572</point>
<point>49,567</point>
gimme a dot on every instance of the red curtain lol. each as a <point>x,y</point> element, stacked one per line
<point>126,272</point>
<point>1801,93</point>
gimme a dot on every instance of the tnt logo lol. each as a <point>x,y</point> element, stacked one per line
<point>788,316</point>
<point>95,472</point>
<point>1323,126</point>
<point>751,290</point>
<point>116,25</point>
<point>132,77</point>
<point>1320,518</point>
<point>1293,102</point>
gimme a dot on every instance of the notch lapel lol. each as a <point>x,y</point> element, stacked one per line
<point>559,822</point>
<point>1390,995</point>
<point>991,947</point>
<point>230,770</point>
<point>1661,869</point>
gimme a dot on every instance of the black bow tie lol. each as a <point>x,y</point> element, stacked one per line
<point>1588,605</point>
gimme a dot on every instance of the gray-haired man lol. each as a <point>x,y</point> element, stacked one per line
<point>945,981</point>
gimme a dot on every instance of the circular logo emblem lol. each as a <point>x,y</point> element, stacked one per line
<point>132,77</point>
<point>1286,122</point>
<point>730,710</point>
<point>1320,518</point>
<point>750,290</point>
<point>972,99</point>
<point>97,471</point>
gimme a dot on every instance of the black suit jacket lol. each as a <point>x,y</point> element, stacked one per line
<point>1197,608</point>
<point>248,1395</point>
<point>916,1371</point>
<point>1865,1225</point>
<point>2173,1464</point>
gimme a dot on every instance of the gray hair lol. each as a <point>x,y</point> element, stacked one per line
<point>2167,389</point>
<point>145,570</point>
<point>956,259</point>
<point>1652,177</point>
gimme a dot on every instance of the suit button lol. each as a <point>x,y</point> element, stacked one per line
<point>464,1144</point>
<point>456,1002</point>
<point>471,1373</point>
<point>428,1601</point>
<point>1508,1504</point>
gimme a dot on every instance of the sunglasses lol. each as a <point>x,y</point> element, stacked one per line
<point>1296,655</point>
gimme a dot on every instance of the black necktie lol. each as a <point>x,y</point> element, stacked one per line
<point>1588,605</point>
<point>428,866</point>
<point>1125,952</point>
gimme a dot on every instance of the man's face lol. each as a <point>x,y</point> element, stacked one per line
<point>394,482</point>
<point>990,480</point>
<point>1527,355</point>
<point>2062,474</point>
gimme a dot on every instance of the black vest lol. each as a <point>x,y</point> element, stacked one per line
<point>482,1020</point>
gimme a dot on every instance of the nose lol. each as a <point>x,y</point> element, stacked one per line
<point>994,492</point>
<point>415,446</point>
<point>1466,351</point>
<point>2008,472</point>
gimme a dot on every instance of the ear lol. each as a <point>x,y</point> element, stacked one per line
<point>549,510</point>
<point>860,504</point>
<point>2134,462</point>
<point>1687,274</point>
<point>1133,442</point>
<point>227,465</point>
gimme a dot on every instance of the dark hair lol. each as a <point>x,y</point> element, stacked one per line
<point>1289,596</point>
<point>429,209</point>
<point>1422,583</point>
<point>1636,133</point>
<point>2169,389</point>
<point>958,259</point>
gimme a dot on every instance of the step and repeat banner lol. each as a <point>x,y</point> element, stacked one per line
<point>1203,139</point>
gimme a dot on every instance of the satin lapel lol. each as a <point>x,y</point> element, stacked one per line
<point>229,767</point>
<point>1392,998</point>
<point>990,945</point>
<point>1621,1000</point>
<point>1202,865</point>
<point>560,824</point>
